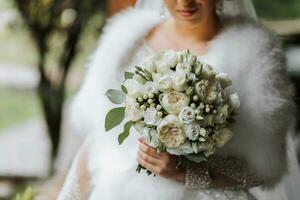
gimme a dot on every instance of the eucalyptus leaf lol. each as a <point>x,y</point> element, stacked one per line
<point>124,89</point>
<point>128,75</point>
<point>196,157</point>
<point>114,117</point>
<point>139,68</point>
<point>126,132</point>
<point>115,96</point>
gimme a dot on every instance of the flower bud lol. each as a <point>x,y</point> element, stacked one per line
<point>140,99</point>
<point>151,95</point>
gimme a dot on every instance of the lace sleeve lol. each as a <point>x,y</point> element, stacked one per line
<point>72,189</point>
<point>236,170</point>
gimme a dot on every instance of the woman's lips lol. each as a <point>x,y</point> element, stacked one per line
<point>187,12</point>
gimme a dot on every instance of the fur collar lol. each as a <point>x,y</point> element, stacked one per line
<point>247,51</point>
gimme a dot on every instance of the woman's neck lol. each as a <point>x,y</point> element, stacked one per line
<point>202,31</point>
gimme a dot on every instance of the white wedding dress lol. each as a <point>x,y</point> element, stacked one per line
<point>247,52</point>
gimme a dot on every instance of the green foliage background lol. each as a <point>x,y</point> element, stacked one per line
<point>277,9</point>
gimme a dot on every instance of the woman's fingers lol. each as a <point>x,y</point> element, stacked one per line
<point>154,169</point>
<point>148,150</point>
<point>149,159</point>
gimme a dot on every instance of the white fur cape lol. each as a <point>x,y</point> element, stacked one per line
<point>245,50</point>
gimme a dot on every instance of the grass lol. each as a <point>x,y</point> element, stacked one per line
<point>17,106</point>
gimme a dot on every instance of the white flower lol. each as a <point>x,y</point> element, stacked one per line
<point>208,71</point>
<point>174,101</point>
<point>132,112</point>
<point>234,100</point>
<point>187,115</point>
<point>170,132</point>
<point>209,120</point>
<point>151,117</point>
<point>164,82</point>
<point>134,88</point>
<point>184,67</point>
<point>150,87</point>
<point>185,148</point>
<point>150,136</point>
<point>175,151</point>
<point>192,131</point>
<point>224,79</point>
<point>224,136</point>
<point>165,61</point>
<point>180,82</point>
<point>211,96</point>
<point>192,77</point>
<point>149,65</point>
<point>138,126</point>
<point>221,96</point>
<point>222,114</point>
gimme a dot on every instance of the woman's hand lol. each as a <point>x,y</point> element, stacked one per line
<point>162,164</point>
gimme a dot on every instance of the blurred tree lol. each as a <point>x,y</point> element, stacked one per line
<point>277,9</point>
<point>115,6</point>
<point>67,18</point>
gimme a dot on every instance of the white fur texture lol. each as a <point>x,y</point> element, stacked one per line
<point>247,51</point>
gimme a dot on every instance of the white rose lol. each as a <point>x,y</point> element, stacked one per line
<point>132,112</point>
<point>150,87</point>
<point>234,100</point>
<point>224,136</point>
<point>165,61</point>
<point>134,88</point>
<point>175,151</point>
<point>187,115</point>
<point>224,79</point>
<point>185,148</point>
<point>164,82</point>
<point>150,136</point>
<point>174,101</point>
<point>192,131</point>
<point>211,96</point>
<point>170,132</point>
<point>184,67</point>
<point>151,117</point>
<point>180,82</point>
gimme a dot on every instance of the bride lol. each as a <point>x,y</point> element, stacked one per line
<point>224,34</point>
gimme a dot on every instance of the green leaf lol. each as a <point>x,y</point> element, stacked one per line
<point>196,157</point>
<point>115,96</point>
<point>114,117</point>
<point>124,89</point>
<point>128,75</point>
<point>125,133</point>
<point>139,68</point>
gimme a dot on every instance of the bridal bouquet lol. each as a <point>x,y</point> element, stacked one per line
<point>177,103</point>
